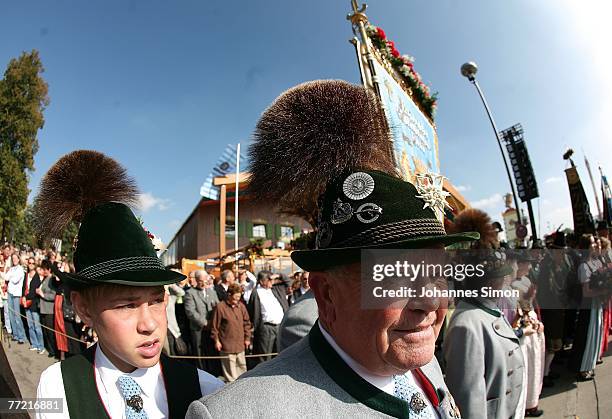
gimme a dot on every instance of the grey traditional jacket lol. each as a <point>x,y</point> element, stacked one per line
<point>484,363</point>
<point>298,320</point>
<point>310,380</point>
<point>199,305</point>
<point>47,302</point>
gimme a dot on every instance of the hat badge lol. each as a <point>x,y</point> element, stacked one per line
<point>430,189</point>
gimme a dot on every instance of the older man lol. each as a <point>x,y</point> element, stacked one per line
<point>326,145</point>
<point>200,302</point>
<point>267,306</point>
<point>227,279</point>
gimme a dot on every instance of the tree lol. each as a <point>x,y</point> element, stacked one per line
<point>23,98</point>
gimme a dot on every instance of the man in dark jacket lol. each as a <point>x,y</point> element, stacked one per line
<point>267,307</point>
<point>227,279</point>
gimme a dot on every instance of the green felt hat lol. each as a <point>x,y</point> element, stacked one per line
<point>373,210</point>
<point>114,248</point>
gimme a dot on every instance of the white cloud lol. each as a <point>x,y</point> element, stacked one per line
<point>489,203</point>
<point>463,188</point>
<point>553,179</point>
<point>148,201</point>
<point>551,220</point>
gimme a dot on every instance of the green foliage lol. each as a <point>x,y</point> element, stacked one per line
<point>68,239</point>
<point>23,98</point>
<point>24,229</point>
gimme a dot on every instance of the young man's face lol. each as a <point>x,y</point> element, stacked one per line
<point>131,324</point>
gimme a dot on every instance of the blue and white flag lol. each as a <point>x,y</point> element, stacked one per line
<point>224,166</point>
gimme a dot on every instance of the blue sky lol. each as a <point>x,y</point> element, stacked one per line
<point>163,87</point>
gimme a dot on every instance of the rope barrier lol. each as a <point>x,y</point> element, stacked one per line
<point>219,356</point>
<point>170,356</point>
<point>49,328</point>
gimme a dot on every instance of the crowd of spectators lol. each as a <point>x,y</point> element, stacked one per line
<point>229,323</point>
<point>214,321</point>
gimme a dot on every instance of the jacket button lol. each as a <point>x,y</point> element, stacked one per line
<point>510,353</point>
<point>510,372</point>
<point>496,327</point>
<point>508,392</point>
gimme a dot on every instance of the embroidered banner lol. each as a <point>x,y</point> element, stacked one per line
<point>583,219</point>
<point>415,142</point>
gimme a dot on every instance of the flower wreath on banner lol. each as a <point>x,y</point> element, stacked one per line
<point>403,64</point>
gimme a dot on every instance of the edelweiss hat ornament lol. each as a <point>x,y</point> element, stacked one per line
<point>111,246</point>
<point>327,146</point>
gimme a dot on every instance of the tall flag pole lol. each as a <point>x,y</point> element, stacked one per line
<point>236,199</point>
<point>606,199</point>
<point>583,219</point>
<point>588,166</point>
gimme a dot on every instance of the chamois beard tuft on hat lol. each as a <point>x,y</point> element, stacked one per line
<point>76,183</point>
<point>472,219</point>
<point>312,133</point>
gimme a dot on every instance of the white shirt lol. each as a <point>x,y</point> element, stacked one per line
<point>15,276</point>
<point>271,309</point>
<point>150,381</point>
<point>382,383</point>
<point>585,270</point>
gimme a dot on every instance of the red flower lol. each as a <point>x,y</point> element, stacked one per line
<point>391,45</point>
<point>381,33</point>
<point>395,53</point>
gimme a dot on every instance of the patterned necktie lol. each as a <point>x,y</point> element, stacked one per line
<point>130,390</point>
<point>408,392</point>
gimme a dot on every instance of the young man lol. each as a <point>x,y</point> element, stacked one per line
<point>118,291</point>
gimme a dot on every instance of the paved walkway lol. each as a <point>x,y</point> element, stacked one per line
<point>586,400</point>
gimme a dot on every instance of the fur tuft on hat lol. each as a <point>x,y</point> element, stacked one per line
<point>312,133</point>
<point>472,219</point>
<point>76,183</point>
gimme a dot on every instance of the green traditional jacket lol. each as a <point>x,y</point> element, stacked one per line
<point>83,399</point>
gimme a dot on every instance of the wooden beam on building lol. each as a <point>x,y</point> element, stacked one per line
<point>230,179</point>
<point>456,196</point>
<point>223,196</point>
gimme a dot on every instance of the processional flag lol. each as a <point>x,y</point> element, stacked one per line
<point>607,199</point>
<point>407,101</point>
<point>583,219</point>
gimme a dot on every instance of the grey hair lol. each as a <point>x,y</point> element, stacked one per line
<point>224,274</point>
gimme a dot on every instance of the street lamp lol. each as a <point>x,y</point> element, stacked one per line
<point>469,71</point>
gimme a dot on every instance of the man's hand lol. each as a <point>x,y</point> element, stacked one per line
<point>247,343</point>
<point>218,346</point>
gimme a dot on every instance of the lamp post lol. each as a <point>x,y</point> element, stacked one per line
<point>469,70</point>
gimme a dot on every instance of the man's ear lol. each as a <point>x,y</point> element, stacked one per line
<point>322,288</point>
<point>81,307</point>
